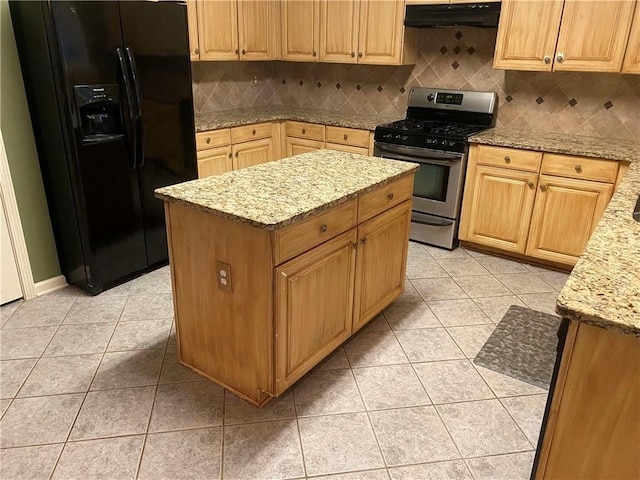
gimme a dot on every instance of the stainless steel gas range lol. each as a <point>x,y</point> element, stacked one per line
<point>434,134</point>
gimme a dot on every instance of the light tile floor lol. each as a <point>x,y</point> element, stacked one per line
<point>90,388</point>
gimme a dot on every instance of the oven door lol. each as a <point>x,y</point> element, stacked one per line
<point>438,181</point>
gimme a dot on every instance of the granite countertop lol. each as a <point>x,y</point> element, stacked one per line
<point>276,194</point>
<point>247,116</point>
<point>604,286</point>
<point>581,145</point>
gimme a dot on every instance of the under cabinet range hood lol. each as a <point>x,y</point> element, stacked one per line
<point>482,14</point>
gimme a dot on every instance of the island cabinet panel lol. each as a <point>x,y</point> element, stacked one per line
<point>382,258</point>
<point>313,307</point>
<point>565,214</point>
<point>224,334</point>
<point>593,422</point>
<point>384,197</point>
<point>498,208</point>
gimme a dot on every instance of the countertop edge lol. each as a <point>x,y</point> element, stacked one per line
<point>571,314</point>
<point>289,221</point>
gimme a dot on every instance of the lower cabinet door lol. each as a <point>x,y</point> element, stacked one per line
<point>314,306</point>
<point>565,214</point>
<point>255,152</point>
<point>214,161</point>
<point>302,145</point>
<point>383,242</point>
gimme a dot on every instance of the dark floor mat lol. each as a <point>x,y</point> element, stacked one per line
<point>523,346</point>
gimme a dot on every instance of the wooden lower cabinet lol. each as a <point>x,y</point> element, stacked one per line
<point>565,214</point>
<point>306,333</point>
<point>252,153</point>
<point>214,161</point>
<point>497,207</point>
<point>347,148</point>
<point>380,270</point>
<point>296,146</point>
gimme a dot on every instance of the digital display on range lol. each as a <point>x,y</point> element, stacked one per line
<point>449,98</point>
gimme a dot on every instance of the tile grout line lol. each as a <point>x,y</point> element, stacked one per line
<point>295,412</point>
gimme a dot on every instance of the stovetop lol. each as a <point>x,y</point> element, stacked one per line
<point>426,127</point>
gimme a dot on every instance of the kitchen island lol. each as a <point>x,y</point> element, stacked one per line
<point>275,266</point>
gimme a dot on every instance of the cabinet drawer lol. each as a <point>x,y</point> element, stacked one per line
<point>348,136</point>
<point>347,148</point>
<point>384,197</point>
<point>311,131</point>
<point>212,139</point>
<point>508,158</point>
<point>580,167</point>
<point>300,237</point>
<point>250,132</point>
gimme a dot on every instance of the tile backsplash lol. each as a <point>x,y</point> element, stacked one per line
<point>596,104</point>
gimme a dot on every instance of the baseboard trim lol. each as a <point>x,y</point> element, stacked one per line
<point>50,285</point>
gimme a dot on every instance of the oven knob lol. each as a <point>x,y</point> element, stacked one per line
<point>430,97</point>
<point>397,137</point>
<point>405,138</point>
<point>387,136</point>
<point>451,144</point>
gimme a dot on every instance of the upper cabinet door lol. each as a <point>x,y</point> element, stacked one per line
<point>339,31</point>
<point>593,35</point>
<point>632,56</point>
<point>192,20</point>
<point>256,29</point>
<point>300,23</point>
<point>527,34</point>
<point>218,30</point>
<point>381,32</point>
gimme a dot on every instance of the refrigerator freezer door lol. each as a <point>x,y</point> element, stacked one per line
<point>105,187</point>
<point>156,39</point>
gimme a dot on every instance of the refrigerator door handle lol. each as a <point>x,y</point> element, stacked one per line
<point>136,87</point>
<point>133,125</point>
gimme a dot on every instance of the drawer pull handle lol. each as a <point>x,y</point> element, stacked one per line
<point>363,240</point>
<point>560,57</point>
<point>531,184</point>
<point>196,51</point>
<point>345,136</point>
<point>507,159</point>
<point>324,228</point>
<point>253,132</point>
<point>578,168</point>
<point>546,59</point>
<point>543,187</point>
<point>208,140</point>
<point>390,197</point>
<point>304,131</point>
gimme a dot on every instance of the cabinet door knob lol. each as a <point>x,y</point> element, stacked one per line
<point>244,51</point>
<point>324,228</point>
<point>353,54</point>
<point>390,197</point>
<point>578,168</point>
<point>208,140</point>
<point>359,54</point>
<point>304,131</point>
<point>231,155</point>
<point>560,57</point>
<point>345,136</point>
<point>314,53</point>
<point>507,159</point>
<point>236,51</point>
<point>354,244</point>
<point>531,184</point>
<point>546,59</point>
<point>543,187</point>
<point>253,132</point>
<point>197,51</point>
<point>363,240</point>
<point>236,154</point>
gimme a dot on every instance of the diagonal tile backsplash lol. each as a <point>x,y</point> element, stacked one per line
<point>596,104</point>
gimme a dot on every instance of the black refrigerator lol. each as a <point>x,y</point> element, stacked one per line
<point>109,92</point>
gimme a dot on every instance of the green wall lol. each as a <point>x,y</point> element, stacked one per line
<point>17,134</point>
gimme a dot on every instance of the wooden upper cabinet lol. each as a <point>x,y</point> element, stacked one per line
<point>339,30</point>
<point>257,29</point>
<point>218,29</point>
<point>593,35</point>
<point>565,214</point>
<point>300,21</point>
<point>192,21</point>
<point>631,62</point>
<point>527,34</point>
<point>381,33</point>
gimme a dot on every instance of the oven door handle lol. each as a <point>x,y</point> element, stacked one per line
<point>415,155</point>
<point>433,224</point>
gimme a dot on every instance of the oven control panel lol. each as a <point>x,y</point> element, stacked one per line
<point>420,141</point>
<point>449,98</point>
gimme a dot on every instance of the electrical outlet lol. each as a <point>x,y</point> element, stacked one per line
<point>255,81</point>
<point>223,272</point>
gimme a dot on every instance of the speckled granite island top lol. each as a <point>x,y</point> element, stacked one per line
<point>247,116</point>
<point>596,147</point>
<point>604,286</point>
<point>276,194</point>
